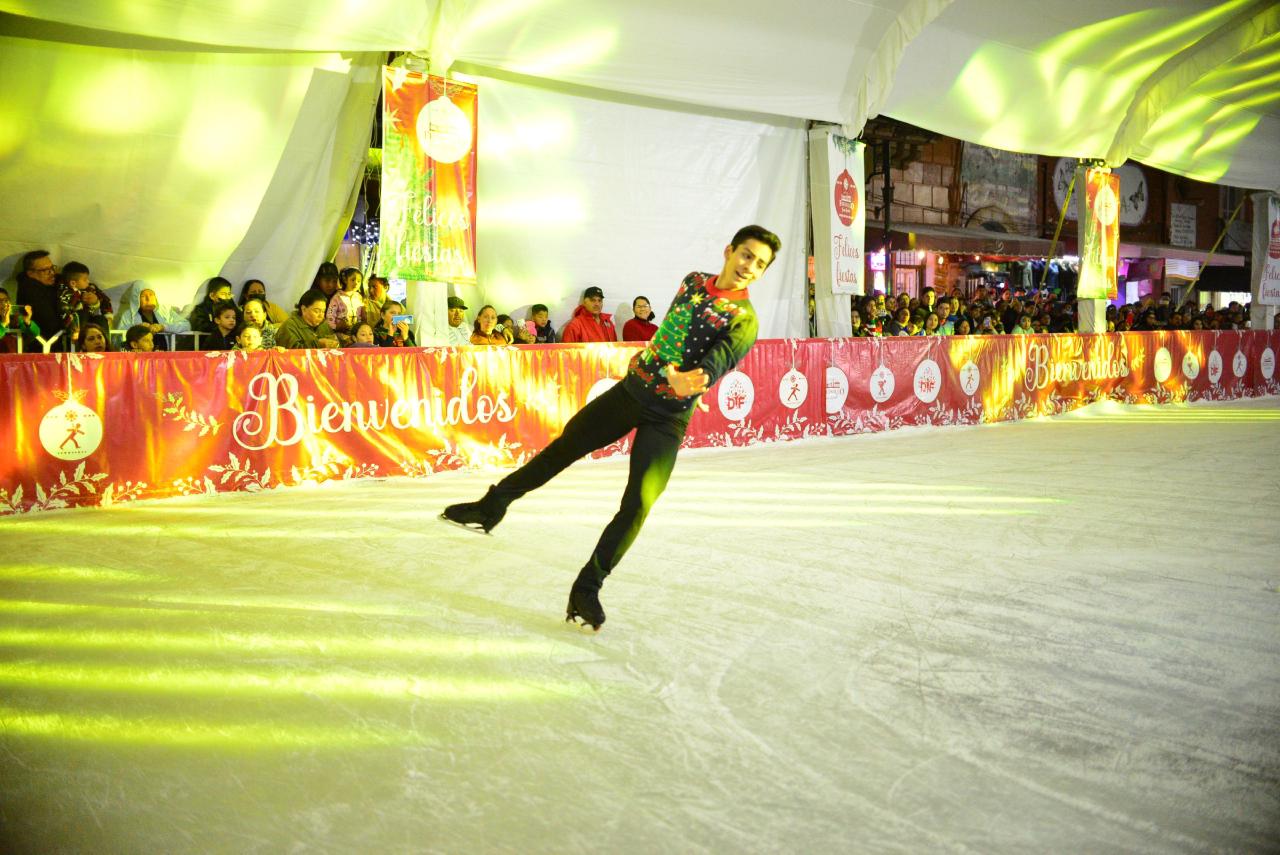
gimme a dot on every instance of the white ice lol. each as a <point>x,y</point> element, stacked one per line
<point>1057,635</point>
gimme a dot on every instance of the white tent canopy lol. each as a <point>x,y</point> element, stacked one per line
<point>253,116</point>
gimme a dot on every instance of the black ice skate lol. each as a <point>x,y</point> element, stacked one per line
<point>480,517</point>
<point>584,600</point>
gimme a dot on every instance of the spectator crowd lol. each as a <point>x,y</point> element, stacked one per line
<point>341,309</point>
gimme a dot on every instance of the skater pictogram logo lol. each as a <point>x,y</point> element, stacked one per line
<point>1190,366</point>
<point>881,384</point>
<point>970,378</point>
<point>793,390</point>
<point>71,431</point>
<point>1240,364</point>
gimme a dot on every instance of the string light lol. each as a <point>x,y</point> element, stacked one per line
<point>365,233</point>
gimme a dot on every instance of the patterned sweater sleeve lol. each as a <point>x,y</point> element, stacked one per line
<point>730,347</point>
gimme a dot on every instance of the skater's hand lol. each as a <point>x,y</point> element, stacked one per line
<point>686,383</point>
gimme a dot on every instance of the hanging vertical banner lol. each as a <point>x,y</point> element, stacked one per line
<point>1100,235</point>
<point>428,178</point>
<point>1266,249</point>
<point>845,217</point>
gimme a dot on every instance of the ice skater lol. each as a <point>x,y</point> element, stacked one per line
<point>710,326</point>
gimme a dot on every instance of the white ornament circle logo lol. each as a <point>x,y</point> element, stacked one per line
<point>970,377</point>
<point>737,394</point>
<point>1239,364</point>
<point>1191,365</point>
<point>837,389</point>
<point>1215,367</point>
<point>881,384</point>
<point>793,389</point>
<point>1267,362</point>
<point>928,381</point>
<point>444,131</point>
<point>599,388</point>
<point>71,431</point>
<point>1162,364</point>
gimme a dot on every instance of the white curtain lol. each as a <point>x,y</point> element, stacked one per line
<point>578,190</point>
<point>161,165</point>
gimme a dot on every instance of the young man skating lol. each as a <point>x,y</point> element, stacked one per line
<point>709,327</point>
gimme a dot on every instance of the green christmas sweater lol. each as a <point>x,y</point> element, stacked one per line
<point>704,328</point>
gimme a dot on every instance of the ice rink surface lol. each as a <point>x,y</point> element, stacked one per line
<point>1060,635</point>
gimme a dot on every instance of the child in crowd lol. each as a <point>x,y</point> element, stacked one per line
<point>362,335</point>
<point>225,320</point>
<point>249,339</point>
<point>543,332</point>
<point>138,339</point>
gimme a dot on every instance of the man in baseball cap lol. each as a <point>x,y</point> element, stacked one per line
<point>589,322</point>
<point>458,332</point>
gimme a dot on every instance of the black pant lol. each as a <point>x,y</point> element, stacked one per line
<point>603,421</point>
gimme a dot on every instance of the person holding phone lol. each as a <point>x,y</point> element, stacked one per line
<point>393,330</point>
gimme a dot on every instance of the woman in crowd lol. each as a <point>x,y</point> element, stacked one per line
<point>138,339</point>
<point>901,323</point>
<point>306,327</point>
<point>346,309</point>
<point>860,330</point>
<point>225,320</point>
<point>90,309</point>
<point>255,289</point>
<point>94,339</point>
<point>255,315</point>
<point>931,325</point>
<point>390,333</point>
<point>962,327</point>
<point>375,294</point>
<point>485,330</point>
<point>643,325</point>
<point>141,306</point>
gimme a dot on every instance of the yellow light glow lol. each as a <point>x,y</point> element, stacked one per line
<point>54,573</point>
<point>324,645</point>
<point>121,97</point>
<point>193,734</point>
<point>244,681</point>
<point>582,51</point>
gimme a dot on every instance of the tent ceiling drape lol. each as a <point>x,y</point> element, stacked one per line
<point>1187,86</point>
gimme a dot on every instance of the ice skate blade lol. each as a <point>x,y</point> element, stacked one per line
<point>474,529</point>
<point>582,624</point>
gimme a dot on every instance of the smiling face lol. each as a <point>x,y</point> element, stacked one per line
<point>744,264</point>
<point>640,308</point>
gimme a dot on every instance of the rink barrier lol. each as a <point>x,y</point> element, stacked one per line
<point>103,429</point>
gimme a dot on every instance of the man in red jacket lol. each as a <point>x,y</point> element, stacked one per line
<point>588,322</point>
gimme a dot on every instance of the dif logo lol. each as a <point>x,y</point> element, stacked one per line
<point>846,198</point>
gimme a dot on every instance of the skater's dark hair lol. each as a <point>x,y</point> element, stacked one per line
<point>761,234</point>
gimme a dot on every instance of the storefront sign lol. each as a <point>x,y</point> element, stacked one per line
<point>1267,252</point>
<point>843,223</point>
<point>1182,224</point>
